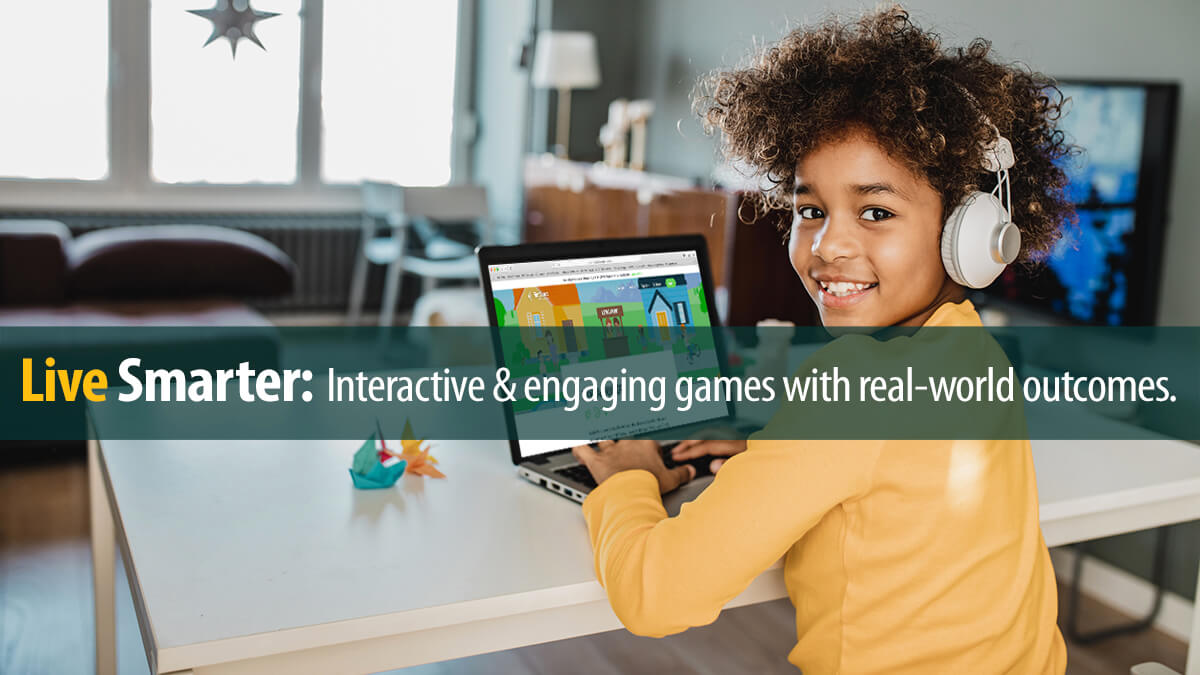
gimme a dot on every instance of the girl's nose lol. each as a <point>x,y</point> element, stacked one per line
<point>834,240</point>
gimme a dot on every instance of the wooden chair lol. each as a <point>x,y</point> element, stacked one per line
<point>703,212</point>
<point>762,283</point>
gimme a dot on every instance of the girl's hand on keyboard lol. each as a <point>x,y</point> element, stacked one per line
<point>609,458</point>
<point>693,448</point>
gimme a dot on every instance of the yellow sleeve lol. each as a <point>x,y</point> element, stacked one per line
<point>664,575</point>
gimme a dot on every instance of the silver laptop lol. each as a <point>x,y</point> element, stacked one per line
<point>593,308</point>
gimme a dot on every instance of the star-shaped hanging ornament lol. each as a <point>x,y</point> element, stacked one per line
<point>233,20</point>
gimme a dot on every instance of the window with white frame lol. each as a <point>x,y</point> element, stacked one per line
<point>385,119</point>
<point>215,118</point>
<point>384,104</point>
<point>54,110</point>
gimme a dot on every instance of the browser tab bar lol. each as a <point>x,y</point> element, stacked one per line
<point>659,266</point>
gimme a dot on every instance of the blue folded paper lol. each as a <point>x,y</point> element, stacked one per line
<point>368,473</point>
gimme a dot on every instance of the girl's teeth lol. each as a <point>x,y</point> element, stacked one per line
<point>841,288</point>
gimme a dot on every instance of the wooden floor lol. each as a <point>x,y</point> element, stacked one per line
<point>46,610</point>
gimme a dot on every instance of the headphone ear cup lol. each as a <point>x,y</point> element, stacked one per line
<point>950,242</point>
<point>976,239</point>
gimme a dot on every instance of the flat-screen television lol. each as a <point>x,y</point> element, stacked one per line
<point>1106,268</point>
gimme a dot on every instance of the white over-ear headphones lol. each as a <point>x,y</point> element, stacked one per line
<point>979,239</point>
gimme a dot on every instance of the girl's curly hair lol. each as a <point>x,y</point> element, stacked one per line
<point>925,105</point>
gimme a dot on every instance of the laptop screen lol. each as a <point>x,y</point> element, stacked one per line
<point>645,315</point>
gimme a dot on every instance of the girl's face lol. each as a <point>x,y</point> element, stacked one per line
<point>866,237</point>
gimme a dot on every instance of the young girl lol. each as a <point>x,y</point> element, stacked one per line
<point>873,132</point>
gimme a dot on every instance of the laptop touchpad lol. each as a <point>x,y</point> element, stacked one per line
<point>674,500</point>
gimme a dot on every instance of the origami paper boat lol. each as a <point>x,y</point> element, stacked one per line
<point>378,477</point>
<point>369,473</point>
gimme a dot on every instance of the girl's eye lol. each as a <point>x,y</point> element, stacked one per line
<point>876,213</point>
<point>810,213</point>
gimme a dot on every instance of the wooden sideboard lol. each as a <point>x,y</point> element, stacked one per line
<point>567,201</point>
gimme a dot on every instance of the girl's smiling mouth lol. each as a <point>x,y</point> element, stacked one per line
<point>839,294</point>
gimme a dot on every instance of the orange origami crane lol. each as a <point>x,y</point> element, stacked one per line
<point>420,462</point>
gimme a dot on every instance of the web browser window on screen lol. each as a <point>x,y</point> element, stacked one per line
<point>623,323</point>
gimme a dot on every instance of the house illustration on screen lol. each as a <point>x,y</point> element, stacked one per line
<point>549,318</point>
<point>668,307</point>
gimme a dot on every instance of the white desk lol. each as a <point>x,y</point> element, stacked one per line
<point>260,556</point>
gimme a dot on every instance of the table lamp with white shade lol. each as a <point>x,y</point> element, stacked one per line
<point>565,60</point>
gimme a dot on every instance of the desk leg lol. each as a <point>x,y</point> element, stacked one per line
<point>1193,653</point>
<point>103,565</point>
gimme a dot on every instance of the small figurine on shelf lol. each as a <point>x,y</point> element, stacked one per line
<point>612,134</point>
<point>636,115</point>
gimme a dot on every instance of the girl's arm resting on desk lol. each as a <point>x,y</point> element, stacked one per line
<point>664,575</point>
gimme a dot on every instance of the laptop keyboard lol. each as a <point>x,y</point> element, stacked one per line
<point>580,474</point>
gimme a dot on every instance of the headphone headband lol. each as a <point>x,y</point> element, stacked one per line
<point>979,238</point>
<point>998,152</point>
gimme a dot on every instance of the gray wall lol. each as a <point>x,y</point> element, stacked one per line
<point>514,118</point>
<point>501,103</point>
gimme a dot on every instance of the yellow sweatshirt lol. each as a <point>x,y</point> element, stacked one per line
<point>899,556</point>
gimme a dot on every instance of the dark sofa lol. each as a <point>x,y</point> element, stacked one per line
<point>165,274</point>
<point>126,278</point>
